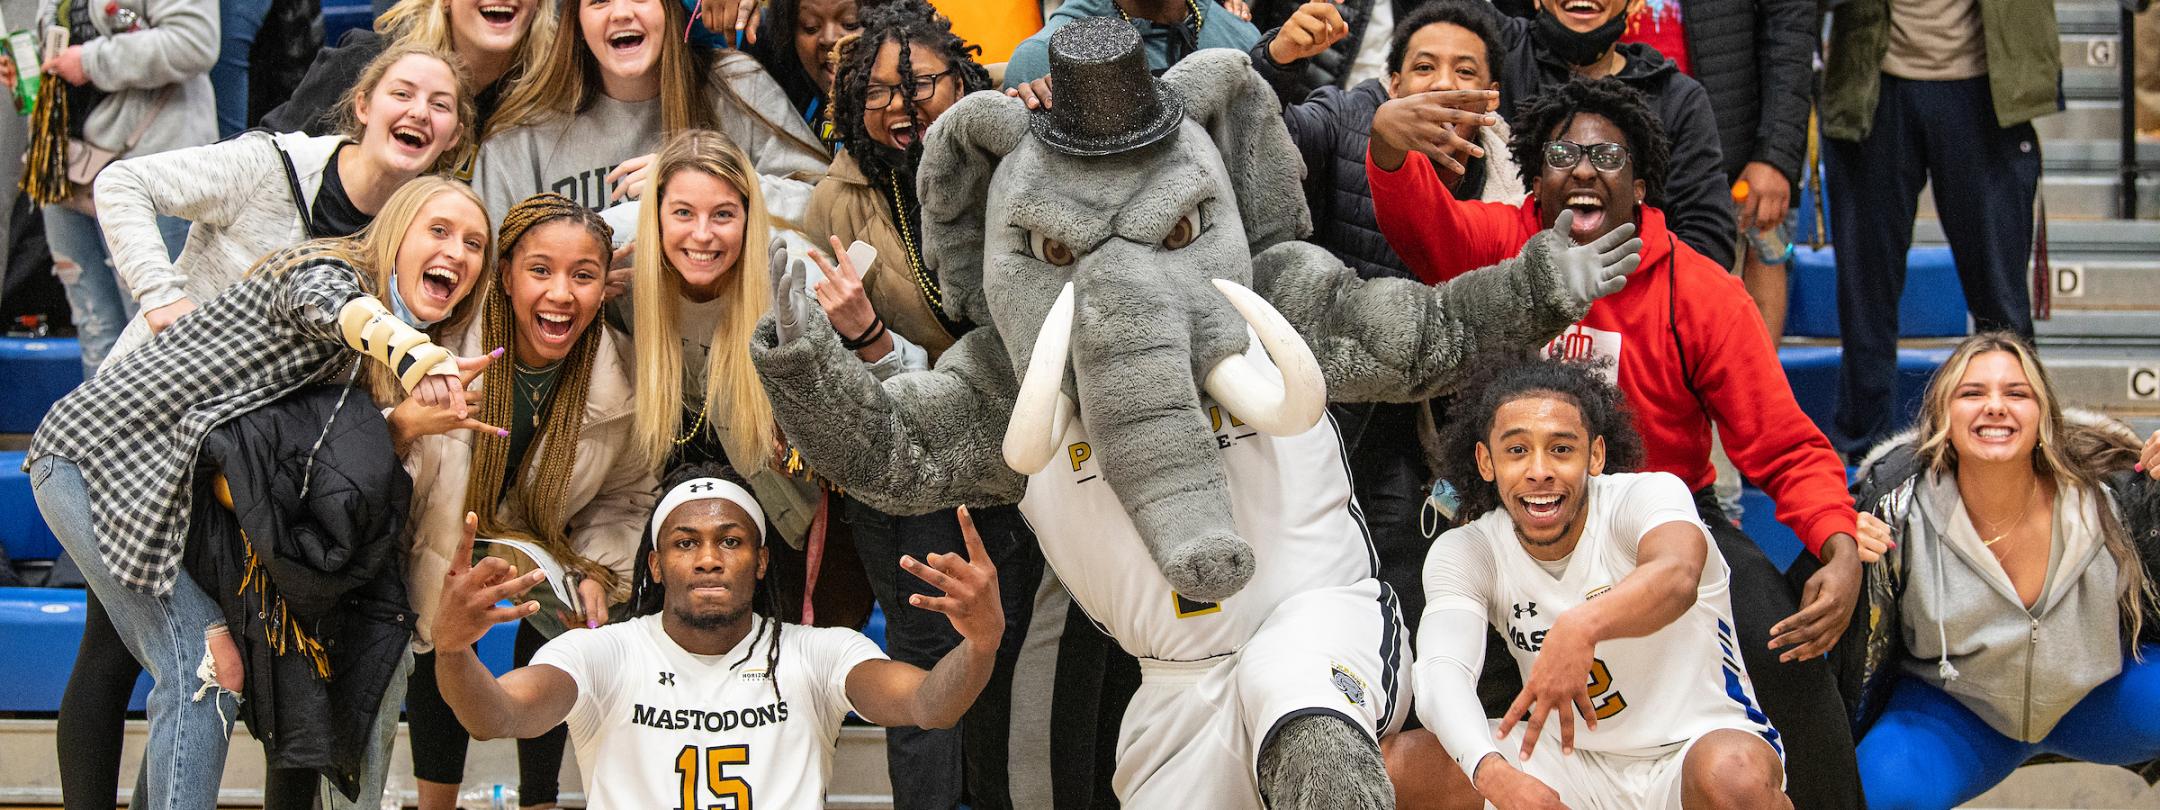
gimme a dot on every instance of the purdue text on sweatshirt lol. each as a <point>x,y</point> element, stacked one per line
<point>1687,343</point>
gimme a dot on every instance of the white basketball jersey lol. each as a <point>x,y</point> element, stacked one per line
<point>1671,686</point>
<point>1289,498</point>
<point>657,727</point>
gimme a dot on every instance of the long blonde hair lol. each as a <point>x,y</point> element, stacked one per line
<point>372,254</point>
<point>2069,455</point>
<point>348,117</point>
<point>427,23</point>
<point>734,396</point>
<point>567,78</point>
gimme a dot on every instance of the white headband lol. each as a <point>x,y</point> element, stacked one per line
<point>707,489</point>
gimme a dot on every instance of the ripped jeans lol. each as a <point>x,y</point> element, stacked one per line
<point>100,305</point>
<point>185,758</point>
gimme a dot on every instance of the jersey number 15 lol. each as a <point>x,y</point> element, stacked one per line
<point>729,792</point>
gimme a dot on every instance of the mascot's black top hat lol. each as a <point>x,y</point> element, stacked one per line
<point>1106,100</point>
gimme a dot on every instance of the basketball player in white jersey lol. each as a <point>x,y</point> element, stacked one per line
<point>707,704</point>
<point>1612,599</point>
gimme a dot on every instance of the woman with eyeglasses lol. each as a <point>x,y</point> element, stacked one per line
<point>1691,353</point>
<point>891,83</point>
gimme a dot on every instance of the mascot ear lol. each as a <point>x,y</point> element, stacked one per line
<point>1220,90</point>
<point>960,155</point>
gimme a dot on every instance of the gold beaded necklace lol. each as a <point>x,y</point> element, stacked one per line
<point>914,254</point>
<point>1198,19</point>
<point>694,428</point>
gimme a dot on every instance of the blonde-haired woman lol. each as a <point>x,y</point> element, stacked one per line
<point>2012,593</point>
<point>112,465</point>
<point>562,471</point>
<point>408,115</point>
<point>616,81</point>
<point>246,197</point>
<point>701,283</point>
<point>500,42</point>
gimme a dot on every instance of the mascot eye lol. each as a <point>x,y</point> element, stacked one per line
<point>1051,251</point>
<point>1187,229</point>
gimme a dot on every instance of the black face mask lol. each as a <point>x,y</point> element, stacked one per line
<point>1575,47</point>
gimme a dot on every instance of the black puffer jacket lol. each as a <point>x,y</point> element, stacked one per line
<point>308,568</point>
<point>1698,197</point>
<point>1331,68</point>
<point>1757,62</point>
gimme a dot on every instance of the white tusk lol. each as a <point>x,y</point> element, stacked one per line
<point>1248,394</point>
<point>1042,411</point>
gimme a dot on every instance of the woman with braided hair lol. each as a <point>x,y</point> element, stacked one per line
<point>560,472</point>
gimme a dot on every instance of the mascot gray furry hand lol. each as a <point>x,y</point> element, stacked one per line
<point>1147,318</point>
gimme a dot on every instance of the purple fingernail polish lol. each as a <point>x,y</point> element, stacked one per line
<point>497,352</point>
<point>591,624</point>
<point>502,433</point>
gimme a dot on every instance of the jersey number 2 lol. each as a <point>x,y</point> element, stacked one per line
<point>1603,696</point>
<point>730,792</point>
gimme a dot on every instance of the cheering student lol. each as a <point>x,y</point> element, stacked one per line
<point>500,42</point>
<point>618,80</point>
<point>113,464</point>
<point>2011,612</point>
<point>1690,351</point>
<point>707,697</point>
<point>1614,601</point>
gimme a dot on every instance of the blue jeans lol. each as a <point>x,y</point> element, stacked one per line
<point>238,20</point>
<point>1929,751</point>
<point>185,757</point>
<point>99,306</point>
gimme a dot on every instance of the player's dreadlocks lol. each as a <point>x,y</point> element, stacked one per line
<point>1512,377</point>
<point>649,597</point>
<point>1545,118</point>
<point>907,23</point>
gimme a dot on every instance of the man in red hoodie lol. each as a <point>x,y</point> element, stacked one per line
<point>1689,350</point>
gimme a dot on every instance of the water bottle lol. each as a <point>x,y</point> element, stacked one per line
<point>492,797</point>
<point>1773,245</point>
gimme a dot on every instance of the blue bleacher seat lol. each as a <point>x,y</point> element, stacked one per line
<point>1933,305</point>
<point>1758,519</point>
<point>44,626</point>
<point>22,528</point>
<point>875,627</point>
<point>39,371</point>
<point>1812,371</point>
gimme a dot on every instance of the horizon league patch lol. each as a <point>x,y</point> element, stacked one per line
<point>1350,685</point>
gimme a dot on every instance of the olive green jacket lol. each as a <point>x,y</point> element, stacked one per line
<point>2024,61</point>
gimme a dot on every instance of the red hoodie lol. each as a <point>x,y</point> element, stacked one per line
<point>1680,319</point>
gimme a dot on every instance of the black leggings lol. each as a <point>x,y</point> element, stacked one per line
<point>438,740</point>
<point>93,724</point>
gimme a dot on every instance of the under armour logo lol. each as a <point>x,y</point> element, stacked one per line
<point>667,679</point>
<point>704,486</point>
<point>1525,609</point>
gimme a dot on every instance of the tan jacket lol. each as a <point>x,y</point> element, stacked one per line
<point>612,491</point>
<point>844,204</point>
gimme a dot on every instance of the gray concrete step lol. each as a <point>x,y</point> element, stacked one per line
<point>2121,379</point>
<point>2075,239</point>
<point>2096,155</point>
<point>2084,195</point>
<point>2083,119</point>
<point>2108,285</point>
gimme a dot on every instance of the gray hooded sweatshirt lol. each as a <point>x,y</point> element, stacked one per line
<point>239,197</point>
<point>1970,635</point>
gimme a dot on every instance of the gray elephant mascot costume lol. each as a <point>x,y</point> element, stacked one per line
<point>1148,378</point>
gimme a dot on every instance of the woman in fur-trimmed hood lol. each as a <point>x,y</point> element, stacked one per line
<point>2011,611</point>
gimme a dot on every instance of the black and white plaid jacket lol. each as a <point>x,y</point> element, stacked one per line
<point>134,429</point>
